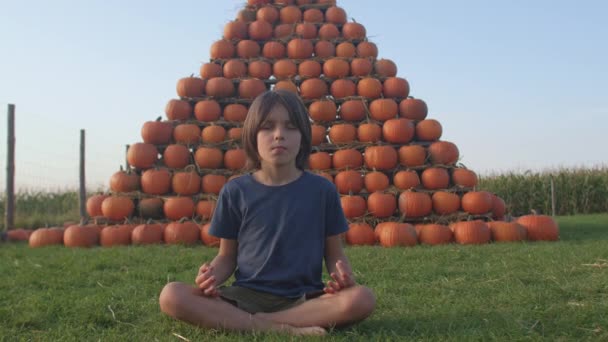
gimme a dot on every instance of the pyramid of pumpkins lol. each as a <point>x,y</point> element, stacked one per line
<point>399,181</point>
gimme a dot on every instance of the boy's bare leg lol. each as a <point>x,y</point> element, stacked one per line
<point>184,302</point>
<point>345,307</point>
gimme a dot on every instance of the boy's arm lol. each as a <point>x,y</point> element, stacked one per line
<point>337,265</point>
<point>224,262</point>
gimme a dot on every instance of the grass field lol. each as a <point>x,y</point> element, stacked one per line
<point>517,291</point>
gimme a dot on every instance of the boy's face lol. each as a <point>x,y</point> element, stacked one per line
<point>278,139</point>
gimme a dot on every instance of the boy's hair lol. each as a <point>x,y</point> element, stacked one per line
<point>257,114</point>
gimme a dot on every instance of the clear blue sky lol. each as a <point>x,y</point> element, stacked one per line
<point>517,85</point>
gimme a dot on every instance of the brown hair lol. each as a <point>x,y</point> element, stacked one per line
<point>257,114</point>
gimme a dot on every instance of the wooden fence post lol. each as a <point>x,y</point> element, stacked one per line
<point>83,190</point>
<point>9,209</point>
<point>552,197</point>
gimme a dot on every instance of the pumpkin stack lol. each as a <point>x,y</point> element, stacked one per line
<point>370,137</point>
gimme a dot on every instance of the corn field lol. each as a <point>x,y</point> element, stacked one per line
<point>35,209</point>
<point>577,191</point>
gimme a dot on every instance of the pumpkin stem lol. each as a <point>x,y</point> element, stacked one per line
<point>159,119</point>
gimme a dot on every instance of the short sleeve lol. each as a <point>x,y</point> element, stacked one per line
<point>335,221</point>
<point>226,220</point>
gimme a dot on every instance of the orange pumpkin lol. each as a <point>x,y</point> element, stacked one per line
<point>367,50</point>
<point>222,49</point>
<point>445,203</point>
<point>205,209</point>
<point>464,178</point>
<point>428,130</point>
<point>220,87</point>
<point>186,232</point>
<point>235,112</point>
<point>383,109</point>
<point>319,134</point>
<point>300,48</point>
<point>412,155</point>
<point>176,156</point>
<point>435,234</point>
<point>380,157</point>
<point>323,110</point>
<point>306,31</point>
<point>435,178</point>
<point>42,237</point>
<point>342,133</point>
<point>413,109</point>
<point>186,182</point>
<point>346,50</point>
<point>398,131</point>
<point>213,184</point>
<point>328,32</point>
<point>248,49</point>
<point>117,207</point>
<point>353,206</point>
<point>213,134</point>
<point>81,236</point>
<point>156,181</point>
<point>147,234</point>
<point>94,205</point>
<point>117,235</point>
<point>415,204</point>
<point>313,88</point>
<point>234,68</point>
<point>471,232</point>
<point>268,13</point>
<point>335,15</point>
<point>284,68</point>
<point>290,15</point>
<point>360,234</point>
<point>191,87</point>
<point>235,29</point>
<point>540,227</point>
<point>398,234</point>
<point>208,239</point>
<point>310,68</point>
<point>369,132</point>
<point>208,157</point>
<point>381,204</point>
<point>498,207</point>
<point>353,30</point>
<point>443,152</point>
<point>477,202</point>
<point>211,70</point>
<point>176,208</point>
<point>156,132</point>
<point>406,179</point>
<point>352,110</point>
<point>336,68</point>
<point>347,158</point>
<point>376,181</point>
<point>349,181</point>
<point>187,134</point>
<point>235,159</point>
<point>360,67</point>
<point>369,87</point>
<point>274,50</point>
<point>325,48</point>
<point>507,231</point>
<point>250,88</point>
<point>142,155</point>
<point>395,87</point>
<point>319,161</point>
<point>178,110</point>
<point>342,88</point>
<point>207,110</point>
<point>385,68</point>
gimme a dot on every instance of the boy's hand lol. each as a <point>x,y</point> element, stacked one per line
<point>205,280</point>
<point>342,278</point>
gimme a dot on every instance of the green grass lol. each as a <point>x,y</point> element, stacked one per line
<point>517,291</point>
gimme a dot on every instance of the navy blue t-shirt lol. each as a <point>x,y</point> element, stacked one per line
<point>280,231</point>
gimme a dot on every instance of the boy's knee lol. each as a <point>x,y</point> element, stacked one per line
<point>170,297</point>
<point>362,301</point>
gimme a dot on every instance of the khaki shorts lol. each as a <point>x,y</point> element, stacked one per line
<point>254,301</point>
